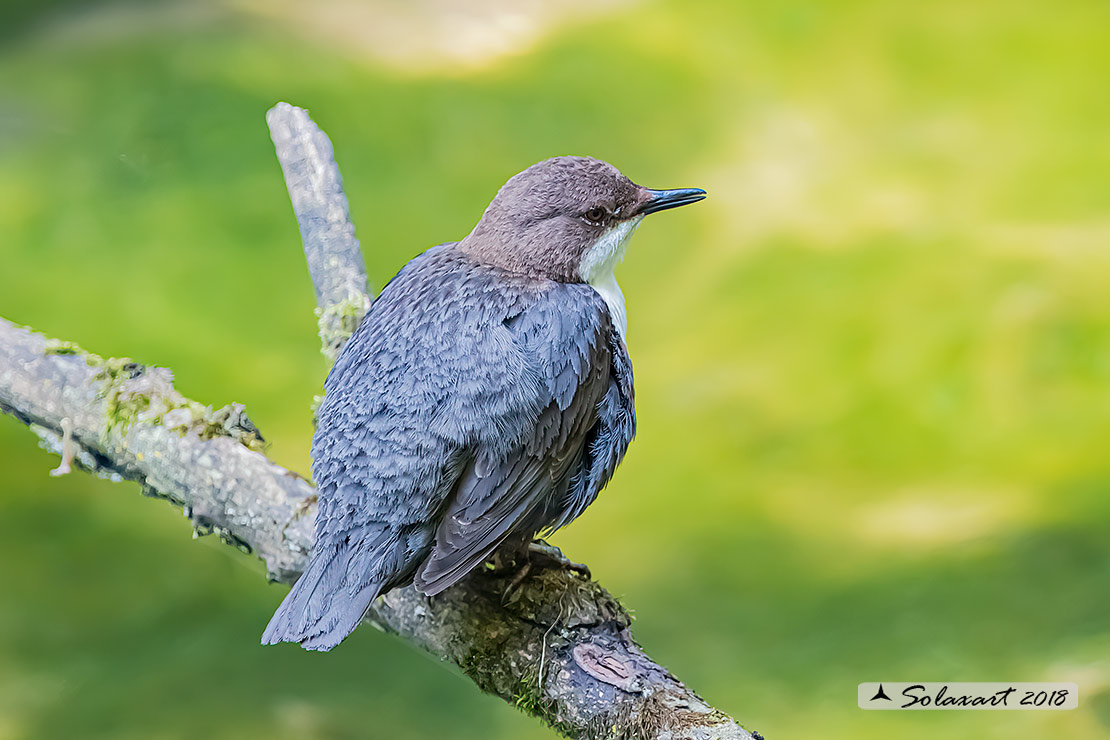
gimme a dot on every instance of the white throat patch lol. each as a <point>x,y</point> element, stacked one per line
<point>599,263</point>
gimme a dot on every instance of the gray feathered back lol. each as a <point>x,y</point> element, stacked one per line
<point>471,406</point>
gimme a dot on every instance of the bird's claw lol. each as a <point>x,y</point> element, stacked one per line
<point>503,563</point>
<point>511,592</point>
<point>552,553</point>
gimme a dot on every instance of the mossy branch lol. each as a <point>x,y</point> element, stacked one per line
<point>316,190</point>
<point>558,646</point>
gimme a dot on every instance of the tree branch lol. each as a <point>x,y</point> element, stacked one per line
<point>316,189</point>
<point>558,646</point>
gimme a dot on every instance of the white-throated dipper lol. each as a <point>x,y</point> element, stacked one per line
<point>486,397</point>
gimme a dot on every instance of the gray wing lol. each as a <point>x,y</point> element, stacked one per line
<point>606,442</point>
<point>429,371</point>
<point>565,455</point>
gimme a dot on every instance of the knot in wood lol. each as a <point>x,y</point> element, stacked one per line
<point>608,667</point>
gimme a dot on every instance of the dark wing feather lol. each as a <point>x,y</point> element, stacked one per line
<point>568,335</point>
<point>606,442</point>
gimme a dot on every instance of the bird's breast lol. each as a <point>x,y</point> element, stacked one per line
<point>600,262</point>
<point>611,293</point>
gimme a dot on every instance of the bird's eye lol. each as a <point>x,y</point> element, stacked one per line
<point>595,215</point>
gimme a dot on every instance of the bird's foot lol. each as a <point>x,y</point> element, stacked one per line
<point>511,561</point>
<point>511,592</point>
<point>554,554</point>
<point>503,562</point>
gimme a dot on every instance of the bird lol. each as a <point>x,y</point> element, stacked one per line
<point>486,397</point>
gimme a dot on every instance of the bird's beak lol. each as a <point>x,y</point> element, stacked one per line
<point>661,200</point>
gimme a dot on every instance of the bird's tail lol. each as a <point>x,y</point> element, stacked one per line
<point>321,609</point>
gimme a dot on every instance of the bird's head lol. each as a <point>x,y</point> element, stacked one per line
<point>566,219</point>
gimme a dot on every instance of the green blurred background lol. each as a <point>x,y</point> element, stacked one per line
<point>873,369</point>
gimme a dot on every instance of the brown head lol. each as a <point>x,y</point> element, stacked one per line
<point>566,219</point>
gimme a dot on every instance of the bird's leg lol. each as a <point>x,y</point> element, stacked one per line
<point>503,560</point>
<point>509,594</point>
<point>522,557</point>
<point>511,559</point>
<point>550,552</point>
